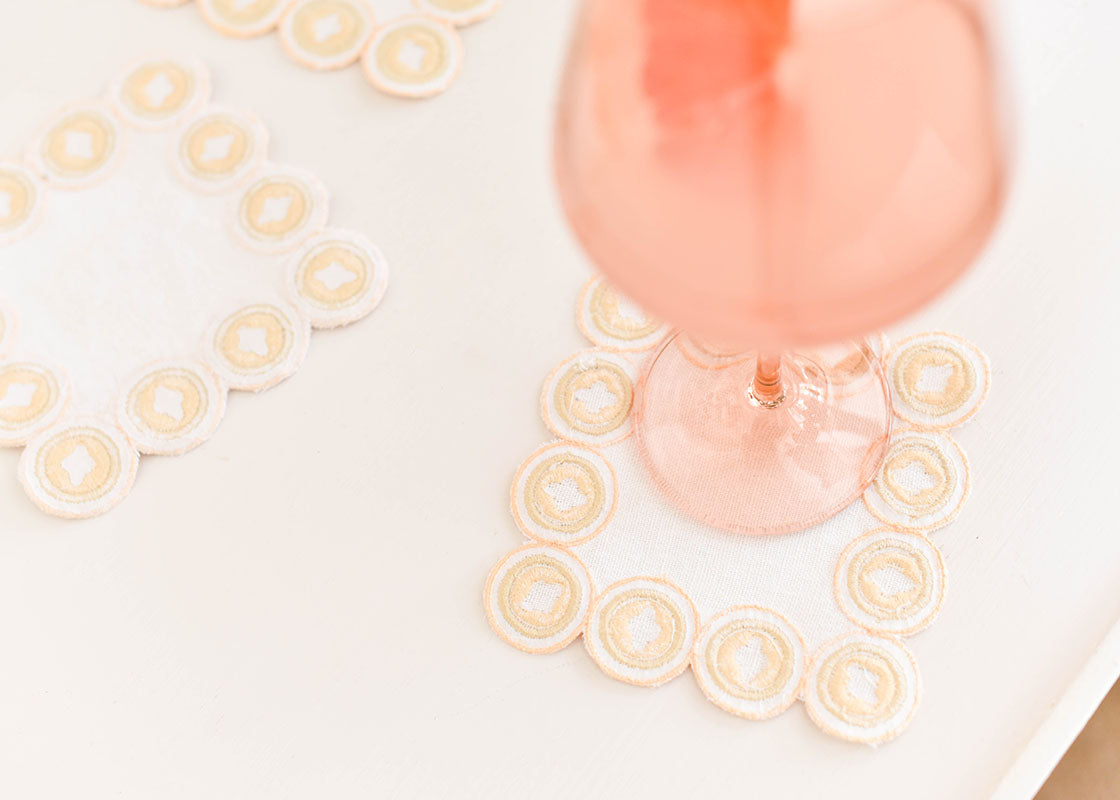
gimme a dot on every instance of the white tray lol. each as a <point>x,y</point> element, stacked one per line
<point>294,609</point>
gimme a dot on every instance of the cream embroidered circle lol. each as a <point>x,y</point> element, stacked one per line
<point>851,365</point>
<point>80,148</point>
<point>31,397</point>
<point>219,148</point>
<point>939,380</point>
<point>21,201</point>
<point>458,12</point>
<point>610,320</point>
<point>79,469</point>
<point>563,494</point>
<point>19,197</point>
<point>258,346</point>
<point>242,17</point>
<point>917,480</point>
<point>641,631</point>
<point>890,582</point>
<point>709,356</point>
<point>750,661</point>
<point>171,407</point>
<point>155,93</point>
<point>337,277</point>
<point>862,688</point>
<point>589,396</point>
<point>280,209</point>
<point>413,56</point>
<point>537,598</point>
<point>921,484</point>
<point>326,34</point>
<point>7,329</point>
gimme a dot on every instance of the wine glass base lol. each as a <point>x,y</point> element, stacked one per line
<point>727,459</point>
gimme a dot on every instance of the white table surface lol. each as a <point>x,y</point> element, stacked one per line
<point>294,609</point>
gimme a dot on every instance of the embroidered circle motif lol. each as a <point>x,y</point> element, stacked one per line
<point>413,56</point>
<point>641,631</point>
<point>172,407</point>
<point>242,17</point>
<point>258,346</point>
<point>610,320</point>
<point>7,330</point>
<point>458,12</point>
<point>337,278</point>
<point>563,494</point>
<point>750,661</point>
<point>924,492</point>
<point>890,582</point>
<point>281,209</point>
<point>31,398</point>
<point>219,148</point>
<point>78,470</point>
<point>155,93</point>
<point>939,380</point>
<point>852,368</point>
<point>921,484</point>
<point>326,34</point>
<point>588,398</point>
<point>850,365</point>
<point>537,598</point>
<point>862,688</point>
<point>709,356</point>
<point>80,148</point>
<point>21,201</point>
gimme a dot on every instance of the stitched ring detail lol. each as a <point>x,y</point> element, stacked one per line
<point>537,598</point>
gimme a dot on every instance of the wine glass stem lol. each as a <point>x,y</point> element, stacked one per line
<point>766,388</point>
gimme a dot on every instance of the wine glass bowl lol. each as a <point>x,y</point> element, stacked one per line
<point>776,176</point>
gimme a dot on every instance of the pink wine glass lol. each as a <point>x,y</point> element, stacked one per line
<point>777,179</point>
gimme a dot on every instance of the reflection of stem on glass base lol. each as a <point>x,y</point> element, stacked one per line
<point>763,444</point>
<point>766,388</point>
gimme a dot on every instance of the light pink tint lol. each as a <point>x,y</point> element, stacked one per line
<point>762,174</point>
